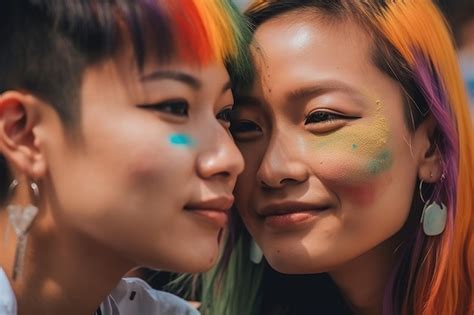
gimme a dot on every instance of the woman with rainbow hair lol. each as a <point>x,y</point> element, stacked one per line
<point>115,148</point>
<point>358,185</point>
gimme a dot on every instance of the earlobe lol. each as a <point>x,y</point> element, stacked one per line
<point>17,140</point>
<point>430,167</point>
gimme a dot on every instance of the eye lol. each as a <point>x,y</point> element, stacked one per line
<point>225,115</point>
<point>325,121</point>
<point>242,126</point>
<point>322,117</point>
<point>178,107</point>
<point>244,129</point>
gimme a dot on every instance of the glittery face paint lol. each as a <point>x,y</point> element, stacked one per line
<point>365,143</point>
<point>181,140</point>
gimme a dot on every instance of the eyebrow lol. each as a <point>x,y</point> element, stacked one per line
<point>320,88</point>
<point>185,78</point>
<point>227,86</point>
<point>173,75</point>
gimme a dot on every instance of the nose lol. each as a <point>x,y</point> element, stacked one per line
<point>282,165</point>
<point>220,157</point>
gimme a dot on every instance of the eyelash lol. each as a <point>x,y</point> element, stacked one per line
<point>180,108</point>
<point>225,115</point>
<point>172,107</point>
<point>323,117</point>
<point>244,130</point>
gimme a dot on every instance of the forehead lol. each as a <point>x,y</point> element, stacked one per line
<point>302,49</point>
<point>120,79</point>
<point>124,64</point>
<point>295,38</point>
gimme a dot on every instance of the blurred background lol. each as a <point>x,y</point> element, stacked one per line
<point>460,14</point>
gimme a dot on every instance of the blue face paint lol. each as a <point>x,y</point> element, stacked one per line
<point>181,140</point>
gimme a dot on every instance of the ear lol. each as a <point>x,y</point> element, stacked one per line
<point>430,168</point>
<point>19,115</point>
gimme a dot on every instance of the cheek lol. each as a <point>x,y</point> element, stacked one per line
<point>146,150</point>
<point>352,168</point>
<point>355,153</point>
<point>124,168</point>
<point>242,192</point>
<point>353,178</point>
<point>139,144</point>
<point>252,153</point>
<point>158,158</point>
<point>355,161</point>
<point>364,194</point>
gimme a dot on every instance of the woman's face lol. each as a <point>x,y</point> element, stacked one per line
<point>330,164</point>
<point>152,174</point>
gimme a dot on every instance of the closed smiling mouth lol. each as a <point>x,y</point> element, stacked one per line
<point>214,210</point>
<point>218,204</point>
<point>291,207</point>
<point>290,214</point>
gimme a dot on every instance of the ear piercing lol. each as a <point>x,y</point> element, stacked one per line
<point>21,219</point>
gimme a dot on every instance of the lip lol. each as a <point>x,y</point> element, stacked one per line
<point>291,207</point>
<point>288,214</point>
<point>215,210</point>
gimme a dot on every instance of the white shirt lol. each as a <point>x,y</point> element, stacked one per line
<point>132,296</point>
<point>7,297</point>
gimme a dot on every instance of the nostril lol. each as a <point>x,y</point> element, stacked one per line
<point>289,181</point>
<point>223,174</point>
<point>265,185</point>
<point>279,184</point>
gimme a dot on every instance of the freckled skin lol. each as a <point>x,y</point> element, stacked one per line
<point>360,165</point>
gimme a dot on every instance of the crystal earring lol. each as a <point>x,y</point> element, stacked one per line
<point>256,253</point>
<point>21,218</point>
<point>433,217</point>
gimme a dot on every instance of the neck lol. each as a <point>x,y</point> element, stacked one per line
<point>63,273</point>
<point>362,281</point>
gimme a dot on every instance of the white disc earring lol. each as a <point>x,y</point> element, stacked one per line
<point>434,215</point>
<point>256,254</point>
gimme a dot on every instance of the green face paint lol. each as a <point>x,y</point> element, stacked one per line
<point>380,163</point>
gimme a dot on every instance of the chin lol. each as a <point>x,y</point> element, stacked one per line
<point>196,265</point>
<point>199,258</point>
<point>186,264</point>
<point>298,262</point>
<point>185,256</point>
<point>293,267</point>
<point>286,266</point>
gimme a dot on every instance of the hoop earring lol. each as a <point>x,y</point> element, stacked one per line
<point>21,219</point>
<point>434,215</point>
<point>256,254</point>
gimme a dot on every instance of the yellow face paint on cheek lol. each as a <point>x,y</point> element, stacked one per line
<point>359,150</point>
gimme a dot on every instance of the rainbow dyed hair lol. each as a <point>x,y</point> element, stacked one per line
<point>57,40</point>
<point>441,270</point>
<point>435,275</point>
<point>194,31</point>
<point>49,41</point>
